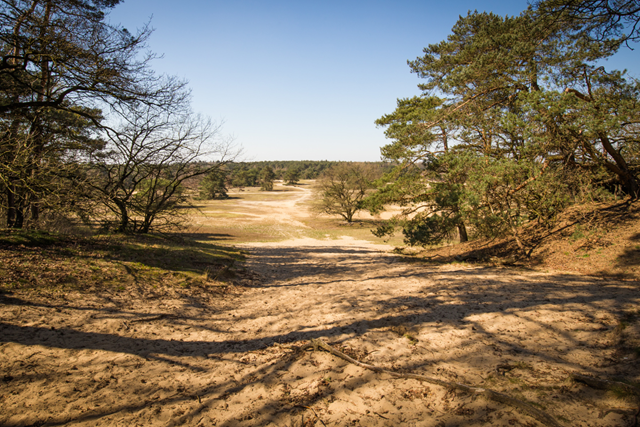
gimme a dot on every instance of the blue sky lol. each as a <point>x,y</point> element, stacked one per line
<point>301,80</point>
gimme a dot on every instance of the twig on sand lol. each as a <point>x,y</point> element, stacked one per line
<point>314,413</point>
<point>381,416</point>
<point>150,319</point>
<point>539,415</point>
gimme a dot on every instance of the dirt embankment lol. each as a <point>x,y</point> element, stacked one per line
<point>176,359</point>
<point>601,239</point>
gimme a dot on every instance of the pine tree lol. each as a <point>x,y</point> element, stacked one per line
<point>266,177</point>
<point>214,185</point>
<point>521,109</point>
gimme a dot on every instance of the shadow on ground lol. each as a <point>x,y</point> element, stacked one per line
<point>185,360</point>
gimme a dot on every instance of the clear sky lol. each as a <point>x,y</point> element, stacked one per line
<point>304,79</point>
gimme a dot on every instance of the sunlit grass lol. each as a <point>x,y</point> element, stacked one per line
<point>252,215</point>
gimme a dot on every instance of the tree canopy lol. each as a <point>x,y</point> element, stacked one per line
<point>517,121</point>
<point>343,187</point>
<point>66,77</point>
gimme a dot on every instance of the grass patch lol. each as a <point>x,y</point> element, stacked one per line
<point>59,263</point>
<point>325,228</point>
<point>411,338</point>
<point>578,233</point>
<point>622,391</point>
<point>28,238</point>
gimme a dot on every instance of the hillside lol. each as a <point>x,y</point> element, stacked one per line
<point>598,239</point>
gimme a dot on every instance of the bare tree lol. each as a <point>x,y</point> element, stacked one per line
<point>62,64</point>
<point>149,155</point>
<point>343,187</point>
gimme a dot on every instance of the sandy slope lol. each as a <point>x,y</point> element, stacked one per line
<point>93,361</point>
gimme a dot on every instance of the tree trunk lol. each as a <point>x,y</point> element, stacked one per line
<point>19,220</point>
<point>35,212</point>
<point>15,208</point>
<point>629,181</point>
<point>620,167</point>
<point>124,216</point>
<point>11,207</point>
<point>462,232</point>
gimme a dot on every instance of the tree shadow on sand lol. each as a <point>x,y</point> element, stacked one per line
<point>454,301</point>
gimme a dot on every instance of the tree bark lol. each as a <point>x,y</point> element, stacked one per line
<point>124,216</point>
<point>629,181</point>
<point>462,232</point>
<point>11,207</point>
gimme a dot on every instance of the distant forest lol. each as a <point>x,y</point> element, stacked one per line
<point>247,174</point>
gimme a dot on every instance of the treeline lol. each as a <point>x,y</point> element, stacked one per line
<point>307,169</point>
<point>263,174</point>
<point>247,174</point>
<point>519,119</point>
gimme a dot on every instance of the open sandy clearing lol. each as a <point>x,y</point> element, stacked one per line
<point>179,360</point>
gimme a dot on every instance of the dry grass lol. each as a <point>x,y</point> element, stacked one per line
<point>52,264</point>
<point>252,215</point>
<point>599,239</point>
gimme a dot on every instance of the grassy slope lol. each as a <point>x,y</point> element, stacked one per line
<point>53,265</point>
<point>599,239</point>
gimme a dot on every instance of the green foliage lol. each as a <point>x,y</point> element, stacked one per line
<point>266,177</point>
<point>214,185</point>
<point>342,188</point>
<point>525,125</point>
<point>292,176</point>
<point>244,177</point>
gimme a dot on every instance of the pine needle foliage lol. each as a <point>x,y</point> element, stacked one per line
<point>516,122</point>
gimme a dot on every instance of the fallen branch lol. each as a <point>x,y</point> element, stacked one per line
<point>152,318</point>
<point>605,384</point>
<point>539,415</point>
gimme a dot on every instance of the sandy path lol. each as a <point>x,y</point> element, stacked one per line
<point>230,363</point>
<point>289,211</point>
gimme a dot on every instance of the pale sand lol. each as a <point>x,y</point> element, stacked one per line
<point>84,361</point>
